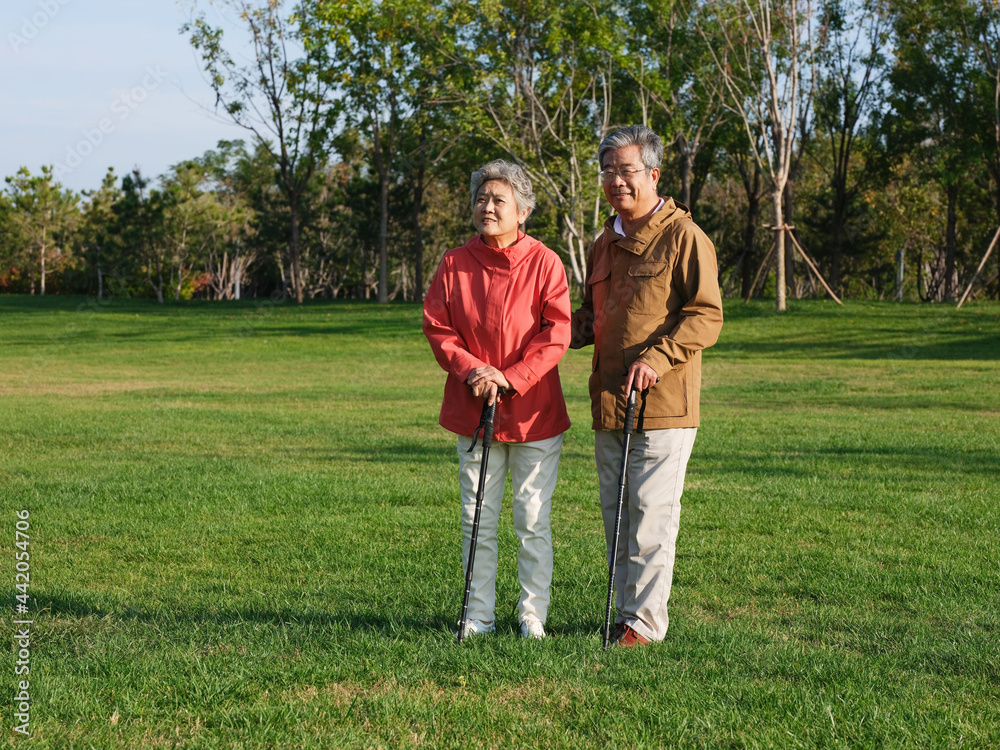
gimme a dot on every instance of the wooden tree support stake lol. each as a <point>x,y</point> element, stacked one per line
<point>766,264</point>
<point>982,263</point>
<point>787,229</point>
<point>808,260</point>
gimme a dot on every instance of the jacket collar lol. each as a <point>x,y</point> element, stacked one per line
<point>493,256</point>
<point>637,243</point>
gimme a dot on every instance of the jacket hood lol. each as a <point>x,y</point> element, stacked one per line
<point>513,255</point>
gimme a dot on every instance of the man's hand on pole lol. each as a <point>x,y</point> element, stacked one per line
<point>640,377</point>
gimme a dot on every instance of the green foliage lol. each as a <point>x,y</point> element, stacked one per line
<point>365,119</point>
<point>237,541</point>
<point>97,235</point>
<point>41,223</point>
<point>282,98</point>
<point>942,114</point>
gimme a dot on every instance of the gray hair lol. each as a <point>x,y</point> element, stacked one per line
<point>513,175</point>
<point>649,143</point>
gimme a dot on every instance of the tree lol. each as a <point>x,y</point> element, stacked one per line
<point>938,112</point>
<point>433,125</point>
<point>96,226</point>
<point>286,102</point>
<point>190,216</point>
<point>983,34</point>
<point>672,66</point>
<point>751,178</point>
<point>853,35</point>
<point>392,71</point>
<point>762,51</point>
<point>10,243</point>
<point>230,254</point>
<point>372,72</point>
<point>542,92</point>
<point>45,215</point>
<point>139,232</point>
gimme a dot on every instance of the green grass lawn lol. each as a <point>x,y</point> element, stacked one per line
<point>244,534</point>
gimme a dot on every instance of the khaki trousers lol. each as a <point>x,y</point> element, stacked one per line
<point>534,468</point>
<point>651,511</point>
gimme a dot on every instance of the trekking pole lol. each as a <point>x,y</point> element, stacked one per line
<point>486,424</point>
<point>629,428</point>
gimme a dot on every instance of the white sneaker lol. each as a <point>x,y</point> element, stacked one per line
<point>478,627</point>
<point>532,628</point>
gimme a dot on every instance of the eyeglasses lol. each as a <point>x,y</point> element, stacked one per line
<point>609,175</point>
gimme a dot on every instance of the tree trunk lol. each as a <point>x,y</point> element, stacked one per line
<point>238,280</point>
<point>158,286</point>
<point>839,211</point>
<point>418,231</point>
<point>779,250</point>
<point>296,250</point>
<point>283,275</point>
<point>749,237</point>
<point>41,280</point>
<point>686,159</point>
<point>383,209</point>
<point>950,240</point>
<point>789,212</point>
<point>383,237</point>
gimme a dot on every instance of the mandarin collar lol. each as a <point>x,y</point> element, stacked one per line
<point>637,243</point>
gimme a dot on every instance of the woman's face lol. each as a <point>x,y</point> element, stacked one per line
<point>496,216</point>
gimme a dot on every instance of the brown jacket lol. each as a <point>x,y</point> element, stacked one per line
<point>652,297</point>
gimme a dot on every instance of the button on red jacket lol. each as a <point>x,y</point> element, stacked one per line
<point>509,308</point>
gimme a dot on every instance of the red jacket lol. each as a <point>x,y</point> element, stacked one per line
<point>508,308</point>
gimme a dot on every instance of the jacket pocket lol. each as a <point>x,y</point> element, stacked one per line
<point>666,399</point>
<point>599,282</point>
<point>649,287</point>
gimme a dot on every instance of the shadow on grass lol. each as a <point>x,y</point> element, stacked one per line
<point>782,462</point>
<point>383,625</point>
<point>384,451</point>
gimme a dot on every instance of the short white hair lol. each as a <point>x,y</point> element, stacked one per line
<point>649,143</point>
<point>512,175</point>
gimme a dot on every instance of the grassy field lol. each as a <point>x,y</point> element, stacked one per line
<point>244,534</point>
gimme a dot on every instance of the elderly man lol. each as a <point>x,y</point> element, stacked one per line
<point>651,304</point>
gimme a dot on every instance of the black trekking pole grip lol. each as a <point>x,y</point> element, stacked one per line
<point>630,413</point>
<point>489,415</point>
<point>491,410</point>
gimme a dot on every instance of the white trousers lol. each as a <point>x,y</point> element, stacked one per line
<point>651,512</point>
<point>534,467</point>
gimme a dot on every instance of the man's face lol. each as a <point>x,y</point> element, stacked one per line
<point>632,190</point>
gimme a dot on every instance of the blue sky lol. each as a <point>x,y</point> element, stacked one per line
<point>88,84</point>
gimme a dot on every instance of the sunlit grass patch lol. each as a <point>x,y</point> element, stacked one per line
<point>245,534</point>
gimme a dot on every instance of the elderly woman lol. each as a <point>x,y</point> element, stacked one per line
<point>497,315</point>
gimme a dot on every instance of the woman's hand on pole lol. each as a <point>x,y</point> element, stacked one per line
<point>486,381</point>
